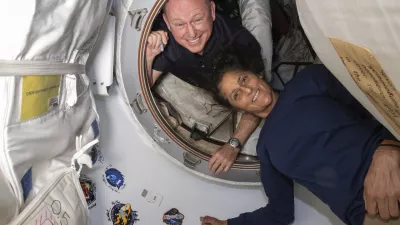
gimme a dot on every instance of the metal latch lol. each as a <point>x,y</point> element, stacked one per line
<point>138,105</point>
<point>137,16</point>
<point>158,138</point>
<point>190,160</point>
<point>197,134</point>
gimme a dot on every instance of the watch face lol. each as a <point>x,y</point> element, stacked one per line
<point>234,142</point>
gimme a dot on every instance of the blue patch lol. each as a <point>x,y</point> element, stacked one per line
<point>95,127</point>
<point>26,183</point>
<point>115,178</point>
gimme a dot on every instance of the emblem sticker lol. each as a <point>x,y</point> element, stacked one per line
<point>173,217</point>
<point>89,190</point>
<point>122,214</point>
<point>96,155</point>
<point>114,179</point>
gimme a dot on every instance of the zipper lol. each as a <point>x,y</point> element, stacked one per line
<point>40,196</point>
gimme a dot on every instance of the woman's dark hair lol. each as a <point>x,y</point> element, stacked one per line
<point>232,58</point>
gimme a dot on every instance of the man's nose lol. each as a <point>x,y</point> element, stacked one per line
<point>191,31</point>
<point>247,90</point>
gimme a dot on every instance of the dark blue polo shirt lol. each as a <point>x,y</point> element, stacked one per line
<point>319,136</point>
<point>197,69</point>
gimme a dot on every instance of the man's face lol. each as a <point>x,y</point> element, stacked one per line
<point>190,22</point>
<point>246,91</point>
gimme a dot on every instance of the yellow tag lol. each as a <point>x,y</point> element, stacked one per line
<point>370,77</point>
<point>39,95</point>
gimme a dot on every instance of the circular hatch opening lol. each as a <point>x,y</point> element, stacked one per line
<point>198,137</point>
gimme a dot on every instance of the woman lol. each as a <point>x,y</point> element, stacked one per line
<point>316,134</point>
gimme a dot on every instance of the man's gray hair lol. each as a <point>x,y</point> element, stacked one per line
<point>166,1</point>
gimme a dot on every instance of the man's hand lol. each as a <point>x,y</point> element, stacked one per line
<point>223,159</point>
<point>208,220</point>
<point>154,42</point>
<point>382,183</point>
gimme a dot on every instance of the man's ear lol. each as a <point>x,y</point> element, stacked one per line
<point>166,21</point>
<point>212,7</point>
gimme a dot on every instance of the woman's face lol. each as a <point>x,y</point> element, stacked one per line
<point>246,91</point>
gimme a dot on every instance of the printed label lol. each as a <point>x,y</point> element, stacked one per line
<point>39,95</point>
<point>153,198</point>
<point>370,77</point>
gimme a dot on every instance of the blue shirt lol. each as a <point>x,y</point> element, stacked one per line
<point>321,137</point>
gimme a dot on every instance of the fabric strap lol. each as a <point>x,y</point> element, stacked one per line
<point>39,68</point>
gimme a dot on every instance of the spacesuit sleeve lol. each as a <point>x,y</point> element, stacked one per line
<point>280,207</point>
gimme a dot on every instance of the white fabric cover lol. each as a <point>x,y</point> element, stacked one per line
<point>256,18</point>
<point>8,202</point>
<point>372,24</point>
<point>38,147</point>
<point>195,106</point>
<point>61,202</point>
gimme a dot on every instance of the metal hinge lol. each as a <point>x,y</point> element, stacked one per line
<point>138,105</point>
<point>190,160</point>
<point>137,16</point>
<point>158,138</point>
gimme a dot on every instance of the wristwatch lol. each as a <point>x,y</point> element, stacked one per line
<point>234,142</point>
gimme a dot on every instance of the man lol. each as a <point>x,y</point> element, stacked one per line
<point>185,46</point>
<point>318,135</point>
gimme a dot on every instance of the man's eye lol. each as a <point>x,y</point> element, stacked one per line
<point>197,21</point>
<point>179,25</point>
<point>244,79</point>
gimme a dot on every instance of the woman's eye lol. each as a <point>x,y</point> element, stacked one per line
<point>235,95</point>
